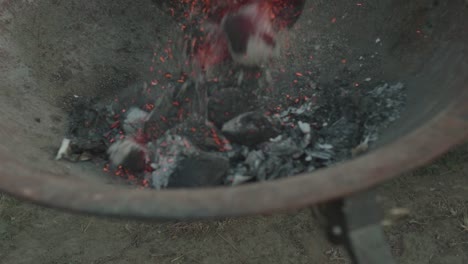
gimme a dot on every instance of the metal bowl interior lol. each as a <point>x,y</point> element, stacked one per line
<point>51,50</point>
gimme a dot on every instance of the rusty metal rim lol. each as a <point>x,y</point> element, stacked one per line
<point>444,131</point>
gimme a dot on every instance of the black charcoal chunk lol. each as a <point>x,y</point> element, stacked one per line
<point>275,167</point>
<point>128,154</point>
<point>204,135</point>
<point>286,147</point>
<point>202,169</point>
<point>180,164</point>
<point>250,128</point>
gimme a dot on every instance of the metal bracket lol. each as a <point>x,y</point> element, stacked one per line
<point>354,222</point>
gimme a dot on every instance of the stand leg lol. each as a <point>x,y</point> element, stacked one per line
<point>355,223</point>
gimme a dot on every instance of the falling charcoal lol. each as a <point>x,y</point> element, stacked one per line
<point>250,128</point>
<point>176,103</point>
<point>135,120</point>
<point>227,103</point>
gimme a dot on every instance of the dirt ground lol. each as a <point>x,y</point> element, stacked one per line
<point>435,231</point>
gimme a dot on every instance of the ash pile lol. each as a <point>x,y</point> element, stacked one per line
<point>237,124</point>
<point>150,136</point>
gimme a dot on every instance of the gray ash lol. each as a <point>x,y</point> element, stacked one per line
<point>151,137</point>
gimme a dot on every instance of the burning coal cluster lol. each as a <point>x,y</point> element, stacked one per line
<point>222,117</point>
